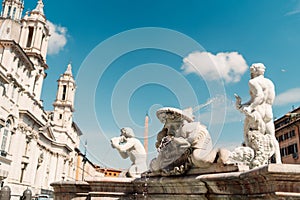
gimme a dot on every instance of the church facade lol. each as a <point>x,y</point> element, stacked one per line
<point>37,147</point>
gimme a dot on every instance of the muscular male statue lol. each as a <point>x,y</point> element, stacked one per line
<point>262,93</point>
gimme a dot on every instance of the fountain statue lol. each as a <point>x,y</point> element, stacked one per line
<point>191,167</point>
<point>182,143</point>
<point>259,130</point>
<point>129,146</point>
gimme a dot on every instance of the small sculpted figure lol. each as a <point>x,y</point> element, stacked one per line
<point>129,146</point>
<point>258,112</point>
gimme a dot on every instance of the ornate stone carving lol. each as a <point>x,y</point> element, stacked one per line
<point>181,144</point>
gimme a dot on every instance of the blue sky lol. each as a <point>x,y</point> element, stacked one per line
<point>132,57</point>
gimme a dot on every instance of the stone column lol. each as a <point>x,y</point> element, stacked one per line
<point>41,168</point>
<point>52,167</point>
<point>17,150</point>
<point>32,153</point>
<point>59,168</point>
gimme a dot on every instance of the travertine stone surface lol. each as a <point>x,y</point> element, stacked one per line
<point>274,181</point>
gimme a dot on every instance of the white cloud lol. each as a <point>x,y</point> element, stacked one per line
<point>288,97</point>
<point>58,38</point>
<point>229,66</point>
<point>295,10</point>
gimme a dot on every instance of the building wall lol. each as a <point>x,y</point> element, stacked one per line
<point>34,149</point>
<point>109,172</point>
<point>288,136</point>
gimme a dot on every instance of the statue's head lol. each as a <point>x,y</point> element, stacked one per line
<point>174,118</point>
<point>127,132</point>
<point>257,69</point>
<point>169,114</point>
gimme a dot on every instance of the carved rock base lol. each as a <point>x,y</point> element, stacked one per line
<point>274,181</point>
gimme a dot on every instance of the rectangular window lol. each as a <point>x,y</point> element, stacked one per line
<point>284,151</point>
<point>4,140</point>
<point>30,35</point>
<point>14,88</point>
<point>64,92</point>
<point>8,12</point>
<point>14,13</point>
<point>293,133</point>
<point>280,138</point>
<point>2,88</point>
<point>292,149</point>
<point>295,148</point>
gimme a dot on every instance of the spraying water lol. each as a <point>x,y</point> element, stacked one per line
<point>207,103</point>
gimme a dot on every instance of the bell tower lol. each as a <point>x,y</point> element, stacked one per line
<point>35,32</point>
<point>10,19</point>
<point>12,9</point>
<point>34,37</point>
<point>64,103</point>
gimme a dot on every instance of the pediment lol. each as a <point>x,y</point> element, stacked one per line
<point>47,132</point>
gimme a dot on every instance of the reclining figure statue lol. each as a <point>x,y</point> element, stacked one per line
<point>182,143</point>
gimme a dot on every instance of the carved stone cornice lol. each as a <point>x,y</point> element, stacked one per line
<point>28,131</point>
<point>19,51</point>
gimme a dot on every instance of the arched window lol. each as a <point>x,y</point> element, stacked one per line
<point>2,88</point>
<point>6,132</point>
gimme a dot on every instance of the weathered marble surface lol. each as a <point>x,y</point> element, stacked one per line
<point>274,181</point>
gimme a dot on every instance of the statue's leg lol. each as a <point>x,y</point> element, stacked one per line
<point>270,129</point>
<point>246,130</point>
<point>141,164</point>
<point>133,171</point>
<point>201,161</point>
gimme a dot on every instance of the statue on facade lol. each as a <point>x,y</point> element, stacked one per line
<point>182,143</point>
<point>259,130</point>
<point>129,146</point>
